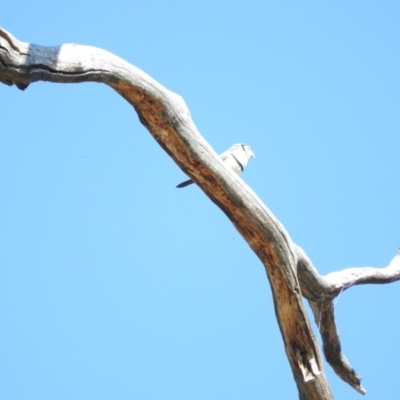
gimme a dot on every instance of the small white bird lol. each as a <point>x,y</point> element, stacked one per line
<point>236,159</point>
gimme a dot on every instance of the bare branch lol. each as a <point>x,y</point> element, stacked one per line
<point>320,295</point>
<point>315,286</point>
<point>321,290</point>
<point>290,272</point>
<point>167,118</point>
<point>346,278</point>
<point>324,314</point>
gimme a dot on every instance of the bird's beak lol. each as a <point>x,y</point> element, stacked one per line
<point>252,154</point>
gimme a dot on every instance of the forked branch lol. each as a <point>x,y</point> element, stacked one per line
<point>320,292</point>
<point>165,115</point>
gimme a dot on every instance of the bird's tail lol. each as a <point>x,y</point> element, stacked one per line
<point>184,184</point>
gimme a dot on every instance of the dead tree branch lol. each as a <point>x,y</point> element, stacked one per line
<point>290,273</point>
<point>320,292</point>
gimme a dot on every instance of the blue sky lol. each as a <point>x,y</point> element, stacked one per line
<point>116,285</point>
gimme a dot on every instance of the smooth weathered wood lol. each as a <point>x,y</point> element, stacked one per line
<point>290,273</point>
<point>168,120</point>
<point>320,292</point>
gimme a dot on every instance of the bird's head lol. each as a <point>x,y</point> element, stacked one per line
<point>248,151</point>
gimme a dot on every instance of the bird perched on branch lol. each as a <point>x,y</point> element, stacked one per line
<point>236,159</point>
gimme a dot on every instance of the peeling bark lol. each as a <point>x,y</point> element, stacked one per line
<point>290,272</point>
